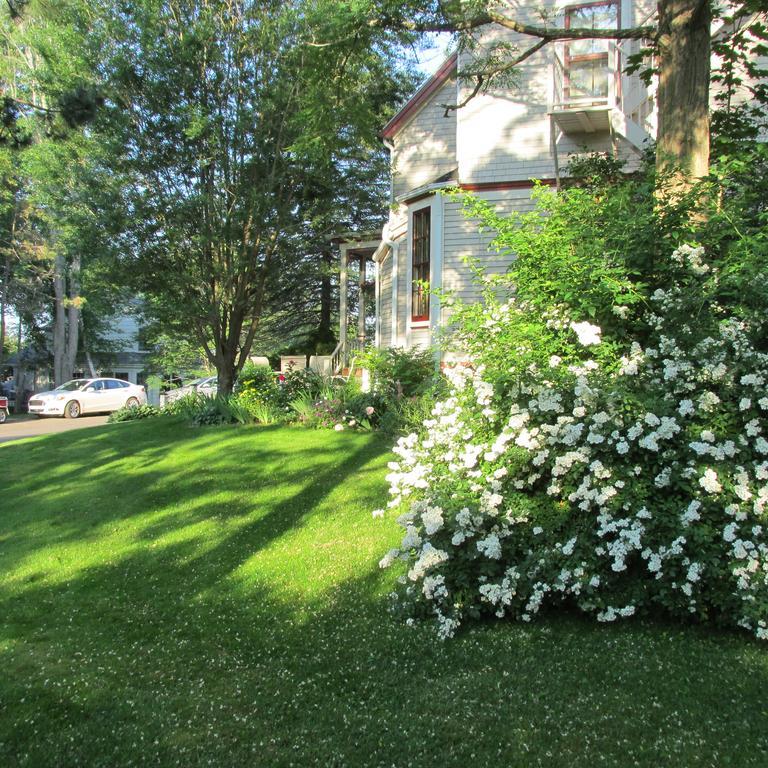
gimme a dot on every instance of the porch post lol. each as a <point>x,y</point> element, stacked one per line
<point>343,299</point>
<point>361,302</point>
<point>377,303</point>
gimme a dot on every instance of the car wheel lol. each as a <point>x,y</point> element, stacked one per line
<point>131,402</point>
<point>72,409</point>
<point>3,416</point>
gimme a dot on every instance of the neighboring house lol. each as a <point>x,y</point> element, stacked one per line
<point>570,97</point>
<point>128,358</point>
<point>32,370</point>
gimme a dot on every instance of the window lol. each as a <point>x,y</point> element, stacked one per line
<point>586,61</point>
<point>420,264</point>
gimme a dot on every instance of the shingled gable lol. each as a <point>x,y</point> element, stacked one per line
<point>421,97</point>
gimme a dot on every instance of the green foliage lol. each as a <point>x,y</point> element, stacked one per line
<point>236,144</point>
<point>202,410</point>
<point>174,355</point>
<point>301,381</point>
<point>134,414</point>
<point>398,373</point>
<point>339,406</point>
<point>259,410</point>
<point>606,448</point>
<point>258,384</point>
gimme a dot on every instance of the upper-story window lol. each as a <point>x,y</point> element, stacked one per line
<point>586,62</point>
<point>420,264</point>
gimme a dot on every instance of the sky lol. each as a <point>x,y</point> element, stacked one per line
<point>433,52</point>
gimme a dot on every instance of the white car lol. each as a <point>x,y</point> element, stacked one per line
<point>208,386</point>
<point>81,396</point>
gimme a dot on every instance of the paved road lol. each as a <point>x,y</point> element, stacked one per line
<point>16,429</point>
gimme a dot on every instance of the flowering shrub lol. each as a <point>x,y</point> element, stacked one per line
<point>398,373</point>
<point>617,481</point>
<point>257,384</point>
<point>338,408</point>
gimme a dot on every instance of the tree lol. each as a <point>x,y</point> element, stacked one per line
<point>46,94</point>
<point>680,41</point>
<point>44,89</point>
<point>222,120</point>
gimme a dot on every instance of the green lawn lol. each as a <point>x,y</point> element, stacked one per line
<point>211,597</point>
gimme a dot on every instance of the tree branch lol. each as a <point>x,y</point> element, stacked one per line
<point>549,34</point>
<point>484,78</point>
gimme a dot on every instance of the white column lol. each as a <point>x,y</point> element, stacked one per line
<point>408,279</point>
<point>343,296</point>
<point>393,339</point>
<point>361,301</point>
<point>435,264</point>
<point>377,303</point>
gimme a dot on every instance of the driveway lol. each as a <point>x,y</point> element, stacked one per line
<point>17,428</point>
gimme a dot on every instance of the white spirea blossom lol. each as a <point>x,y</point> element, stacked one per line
<point>709,482</point>
<point>614,491</point>
<point>587,333</point>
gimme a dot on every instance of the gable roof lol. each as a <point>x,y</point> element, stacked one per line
<point>420,98</point>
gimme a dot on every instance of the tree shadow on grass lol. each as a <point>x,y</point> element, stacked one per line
<point>242,480</point>
<point>157,656</point>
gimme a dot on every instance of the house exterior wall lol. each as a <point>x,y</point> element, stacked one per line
<point>507,134</point>
<point>426,147</point>
<point>497,143</point>
<point>124,333</point>
<point>463,241</point>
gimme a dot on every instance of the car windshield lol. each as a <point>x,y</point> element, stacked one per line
<point>71,386</point>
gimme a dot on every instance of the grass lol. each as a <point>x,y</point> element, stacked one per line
<point>195,597</point>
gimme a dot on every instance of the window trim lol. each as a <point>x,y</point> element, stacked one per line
<point>568,59</point>
<point>425,265</point>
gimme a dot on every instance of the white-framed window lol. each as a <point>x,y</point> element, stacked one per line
<point>586,62</point>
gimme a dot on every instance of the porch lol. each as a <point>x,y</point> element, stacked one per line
<point>358,297</point>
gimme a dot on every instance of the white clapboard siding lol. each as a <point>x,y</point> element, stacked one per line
<point>463,241</point>
<point>425,148</point>
<point>385,301</point>
<point>123,332</point>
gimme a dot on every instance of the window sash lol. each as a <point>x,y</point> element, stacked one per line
<point>586,61</point>
<point>420,259</point>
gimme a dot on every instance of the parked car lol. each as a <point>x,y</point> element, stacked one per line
<point>81,396</point>
<point>206,386</point>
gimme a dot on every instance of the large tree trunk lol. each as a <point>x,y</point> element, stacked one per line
<point>325,329</point>
<point>73,316</point>
<point>226,368</point>
<point>20,375</point>
<point>59,320</point>
<point>4,306</point>
<point>66,324</point>
<point>682,146</point>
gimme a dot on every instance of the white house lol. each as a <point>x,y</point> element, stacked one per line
<point>569,96</point>
<point>129,359</point>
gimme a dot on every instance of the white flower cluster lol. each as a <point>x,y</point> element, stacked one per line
<point>581,494</point>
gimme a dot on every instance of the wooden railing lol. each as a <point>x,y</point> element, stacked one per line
<point>344,353</point>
